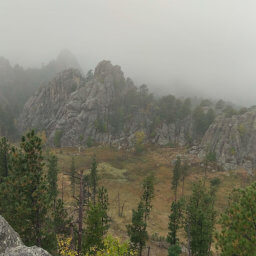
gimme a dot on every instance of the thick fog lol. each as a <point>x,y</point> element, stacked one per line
<point>197,47</point>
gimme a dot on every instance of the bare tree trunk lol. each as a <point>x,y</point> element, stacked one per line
<point>118,202</point>
<point>80,213</point>
<point>183,181</point>
<point>189,250</point>
<point>148,250</point>
<point>122,210</point>
<point>62,189</point>
<point>205,170</point>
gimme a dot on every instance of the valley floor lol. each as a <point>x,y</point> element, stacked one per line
<point>122,174</point>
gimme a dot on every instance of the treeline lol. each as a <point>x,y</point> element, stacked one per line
<point>136,104</point>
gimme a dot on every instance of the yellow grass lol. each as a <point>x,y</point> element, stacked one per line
<point>123,172</point>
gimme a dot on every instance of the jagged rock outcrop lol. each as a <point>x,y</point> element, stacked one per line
<point>98,107</point>
<point>17,84</point>
<point>11,244</point>
<point>233,140</point>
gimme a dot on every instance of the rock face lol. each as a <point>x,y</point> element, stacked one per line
<point>11,244</point>
<point>82,109</point>
<point>233,140</point>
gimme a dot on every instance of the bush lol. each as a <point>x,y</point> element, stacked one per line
<point>112,246</point>
<point>237,236</point>
<point>156,237</point>
<point>89,142</point>
<point>174,250</point>
<point>139,141</point>
<point>215,182</point>
<point>57,138</point>
<point>100,126</point>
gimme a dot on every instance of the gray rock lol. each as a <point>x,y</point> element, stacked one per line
<point>8,237</point>
<point>75,105</point>
<point>11,244</point>
<point>25,251</point>
<point>233,140</point>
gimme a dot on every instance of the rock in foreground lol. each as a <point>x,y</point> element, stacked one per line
<point>11,244</point>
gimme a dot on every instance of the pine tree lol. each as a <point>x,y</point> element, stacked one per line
<point>137,230</point>
<point>97,219</point>
<point>104,204</point>
<point>176,176</point>
<point>200,220</point>
<point>61,220</point>
<point>4,158</point>
<point>148,195</point>
<point>184,173</point>
<point>238,234</point>
<point>175,220</point>
<point>52,178</point>
<point>94,180</point>
<point>95,228</point>
<point>25,197</point>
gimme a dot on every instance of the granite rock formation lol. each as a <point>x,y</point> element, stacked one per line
<point>81,109</point>
<point>233,140</point>
<point>11,244</point>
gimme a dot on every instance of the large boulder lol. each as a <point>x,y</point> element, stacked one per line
<point>11,244</point>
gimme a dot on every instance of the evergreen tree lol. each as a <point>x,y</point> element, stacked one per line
<point>184,173</point>
<point>175,220</point>
<point>103,203</point>
<point>200,220</point>
<point>95,228</point>
<point>4,158</point>
<point>176,176</point>
<point>148,195</point>
<point>97,219</point>
<point>94,180</point>
<point>174,250</point>
<point>137,230</point>
<point>52,178</point>
<point>238,234</point>
<point>25,198</point>
<point>61,220</point>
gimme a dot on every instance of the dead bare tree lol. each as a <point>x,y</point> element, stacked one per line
<point>120,206</point>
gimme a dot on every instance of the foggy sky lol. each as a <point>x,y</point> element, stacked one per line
<point>204,47</point>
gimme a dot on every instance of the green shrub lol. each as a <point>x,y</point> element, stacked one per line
<point>174,250</point>
<point>215,182</point>
<point>57,138</point>
<point>89,142</point>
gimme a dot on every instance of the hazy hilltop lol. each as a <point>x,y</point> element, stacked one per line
<point>105,107</point>
<point>17,84</point>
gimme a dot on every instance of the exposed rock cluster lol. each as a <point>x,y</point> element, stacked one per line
<point>233,140</point>
<point>11,244</point>
<point>74,106</point>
